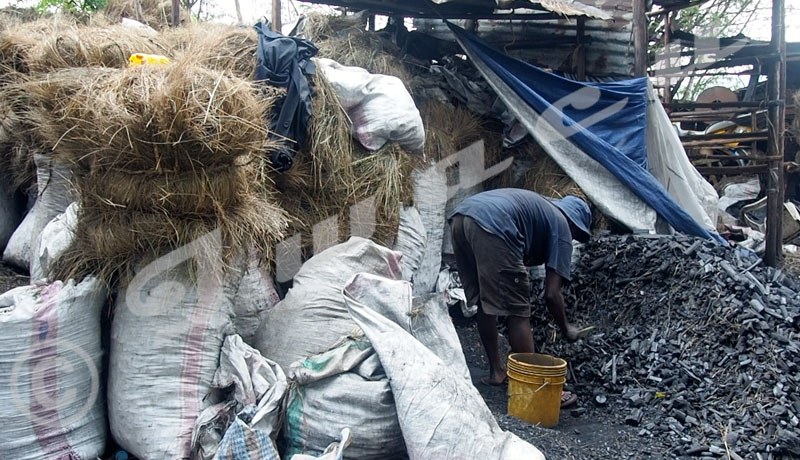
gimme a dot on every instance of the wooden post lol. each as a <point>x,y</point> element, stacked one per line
<point>667,34</point>
<point>776,95</point>
<point>176,13</point>
<point>276,16</point>
<point>580,34</point>
<point>640,38</point>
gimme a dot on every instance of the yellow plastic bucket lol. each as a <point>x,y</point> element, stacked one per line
<point>535,382</point>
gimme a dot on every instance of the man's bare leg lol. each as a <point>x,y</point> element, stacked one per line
<point>487,329</point>
<point>520,336</point>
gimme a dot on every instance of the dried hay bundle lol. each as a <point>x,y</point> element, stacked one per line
<point>320,27</point>
<point>13,16</point>
<point>541,174</point>
<point>16,160</point>
<point>367,50</point>
<point>216,46</point>
<point>17,43</point>
<point>332,177</point>
<point>330,143</point>
<point>380,186</point>
<point>176,117</point>
<point>386,176</point>
<point>162,155</point>
<point>346,40</point>
<point>18,133</point>
<point>448,128</point>
<point>155,13</point>
<point>88,46</point>
<point>546,177</point>
<point>204,192</point>
<point>111,243</point>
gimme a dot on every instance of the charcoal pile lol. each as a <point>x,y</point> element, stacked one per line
<point>693,343</point>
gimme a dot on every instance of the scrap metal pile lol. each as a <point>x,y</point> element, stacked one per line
<point>694,343</point>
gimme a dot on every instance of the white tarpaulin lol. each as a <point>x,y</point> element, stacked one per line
<point>669,164</point>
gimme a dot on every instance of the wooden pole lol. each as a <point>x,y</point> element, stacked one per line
<point>580,48</point>
<point>776,95</point>
<point>640,38</point>
<point>667,33</point>
<point>176,13</point>
<point>276,16</point>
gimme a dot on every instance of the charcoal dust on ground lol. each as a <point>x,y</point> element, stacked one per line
<point>693,354</point>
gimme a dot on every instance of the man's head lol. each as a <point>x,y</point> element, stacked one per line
<point>579,216</point>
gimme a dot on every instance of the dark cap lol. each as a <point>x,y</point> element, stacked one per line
<point>578,212</point>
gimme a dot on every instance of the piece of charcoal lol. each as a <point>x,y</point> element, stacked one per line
<point>634,417</point>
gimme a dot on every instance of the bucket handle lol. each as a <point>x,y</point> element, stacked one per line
<point>546,382</point>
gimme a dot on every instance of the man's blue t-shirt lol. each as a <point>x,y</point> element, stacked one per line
<point>527,222</point>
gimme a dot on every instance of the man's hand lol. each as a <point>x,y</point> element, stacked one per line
<point>571,333</point>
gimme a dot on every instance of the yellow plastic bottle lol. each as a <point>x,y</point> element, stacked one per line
<point>141,59</point>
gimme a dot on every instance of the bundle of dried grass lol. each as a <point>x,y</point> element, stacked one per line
<point>161,155</point>
<point>346,40</point>
<point>89,46</point>
<point>448,128</point>
<point>385,177</point>
<point>13,16</point>
<point>545,176</point>
<point>335,181</point>
<point>216,46</point>
<point>320,27</point>
<point>330,143</point>
<point>17,43</point>
<point>369,206</point>
<point>155,13</point>
<point>18,133</point>
<point>199,193</point>
<point>110,243</point>
<point>161,119</point>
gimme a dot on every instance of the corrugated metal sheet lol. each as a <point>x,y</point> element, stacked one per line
<point>468,8</point>
<point>609,52</point>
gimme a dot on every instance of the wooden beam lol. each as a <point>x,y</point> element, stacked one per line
<point>776,92</point>
<point>640,38</point>
<point>730,170</point>
<point>714,105</point>
<point>718,143</point>
<point>729,137</point>
<point>752,158</point>
<point>276,16</point>
<point>580,36</point>
<point>176,13</point>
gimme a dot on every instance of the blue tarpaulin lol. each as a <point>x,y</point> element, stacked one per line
<point>614,115</point>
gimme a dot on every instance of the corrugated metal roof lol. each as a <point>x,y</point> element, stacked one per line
<point>609,52</point>
<point>468,8</point>
<point>565,7</point>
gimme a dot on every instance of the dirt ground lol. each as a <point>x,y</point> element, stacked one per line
<point>586,431</point>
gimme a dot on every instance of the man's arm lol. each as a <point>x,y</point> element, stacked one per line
<point>555,304</point>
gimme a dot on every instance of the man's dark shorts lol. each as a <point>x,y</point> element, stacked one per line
<point>490,271</point>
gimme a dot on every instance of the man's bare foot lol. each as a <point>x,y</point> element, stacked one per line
<point>568,399</point>
<point>495,379</point>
